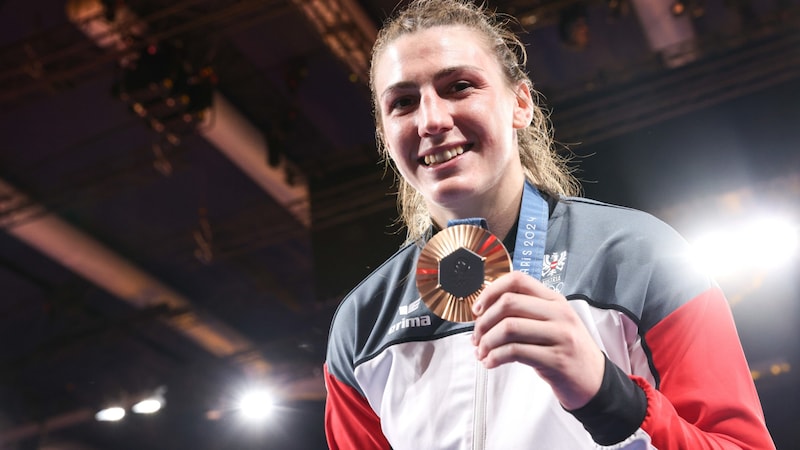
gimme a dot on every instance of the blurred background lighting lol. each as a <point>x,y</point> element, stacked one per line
<point>678,8</point>
<point>112,414</point>
<point>256,404</point>
<point>147,406</point>
<point>780,235</point>
<point>151,404</point>
<point>762,245</point>
<point>213,414</point>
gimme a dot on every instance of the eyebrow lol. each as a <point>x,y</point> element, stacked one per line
<point>444,73</point>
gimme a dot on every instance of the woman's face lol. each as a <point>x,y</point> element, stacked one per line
<point>449,118</point>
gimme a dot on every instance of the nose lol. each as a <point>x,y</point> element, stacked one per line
<point>434,115</point>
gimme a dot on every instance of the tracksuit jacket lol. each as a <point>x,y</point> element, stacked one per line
<point>676,377</point>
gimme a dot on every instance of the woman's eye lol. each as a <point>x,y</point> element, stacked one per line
<point>460,86</point>
<point>400,103</point>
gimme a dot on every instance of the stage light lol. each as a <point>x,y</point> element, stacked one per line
<point>715,253</point>
<point>695,7</point>
<point>151,404</point>
<point>256,404</point>
<point>678,8</point>
<point>112,414</point>
<point>761,245</point>
<point>779,236</point>
<point>148,406</point>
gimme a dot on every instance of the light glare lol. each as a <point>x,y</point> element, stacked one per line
<point>112,414</point>
<point>256,405</point>
<point>762,245</point>
<point>147,406</point>
<point>780,237</point>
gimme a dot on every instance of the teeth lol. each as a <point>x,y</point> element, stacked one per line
<point>446,155</point>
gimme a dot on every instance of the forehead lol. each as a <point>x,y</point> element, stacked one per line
<point>430,50</point>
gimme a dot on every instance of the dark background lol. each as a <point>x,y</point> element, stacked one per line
<point>207,284</point>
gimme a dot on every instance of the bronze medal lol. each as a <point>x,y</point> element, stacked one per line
<point>454,267</point>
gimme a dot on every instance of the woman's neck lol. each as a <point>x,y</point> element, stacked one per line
<point>500,213</point>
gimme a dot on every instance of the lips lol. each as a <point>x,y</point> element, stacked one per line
<point>444,156</point>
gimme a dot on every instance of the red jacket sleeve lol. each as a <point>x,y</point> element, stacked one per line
<point>350,423</point>
<point>706,398</point>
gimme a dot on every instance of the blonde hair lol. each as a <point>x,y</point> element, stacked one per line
<point>547,170</point>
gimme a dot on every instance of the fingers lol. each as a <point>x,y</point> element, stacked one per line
<point>502,312</point>
<point>516,339</point>
<point>512,282</point>
<point>523,328</point>
<point>516,295</point>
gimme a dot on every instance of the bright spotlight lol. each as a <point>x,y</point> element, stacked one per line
<point>780,239</point>
<point>147,406</point>
<point>154,403</point>
<point>112,414</point>
<point>762,245</point>
<point>256,405</point>
<point>716,253</point>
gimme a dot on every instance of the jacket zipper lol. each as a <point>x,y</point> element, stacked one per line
<point>479,416</point>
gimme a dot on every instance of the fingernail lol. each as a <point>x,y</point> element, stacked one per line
<point>476,308</point>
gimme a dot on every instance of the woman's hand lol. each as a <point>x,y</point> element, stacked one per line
<point>520,319</point>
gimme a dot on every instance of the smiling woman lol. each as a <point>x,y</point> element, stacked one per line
<point>614,342</point>
<point>442,98</point>
<point>493,63</point>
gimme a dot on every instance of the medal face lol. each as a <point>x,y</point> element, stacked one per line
<point>455,266</point>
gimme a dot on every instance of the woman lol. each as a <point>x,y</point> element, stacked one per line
<point>615,343</point>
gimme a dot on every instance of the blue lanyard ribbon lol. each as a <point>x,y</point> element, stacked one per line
<point>531,232</point>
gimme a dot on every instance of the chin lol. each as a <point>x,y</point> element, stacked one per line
<point>451,195</point>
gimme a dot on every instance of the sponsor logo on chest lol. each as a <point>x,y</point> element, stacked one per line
<point>408,321</point>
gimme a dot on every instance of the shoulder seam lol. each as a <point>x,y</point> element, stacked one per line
<point>432,337</point>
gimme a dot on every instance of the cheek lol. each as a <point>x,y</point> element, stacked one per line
<point>399,161</point>
<point>396,140</point>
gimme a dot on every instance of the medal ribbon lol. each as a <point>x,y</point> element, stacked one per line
<point>531,232</point>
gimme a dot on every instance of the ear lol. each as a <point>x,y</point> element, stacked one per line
<point>523,106</point>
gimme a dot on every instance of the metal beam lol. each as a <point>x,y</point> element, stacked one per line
<point>46,232</point>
